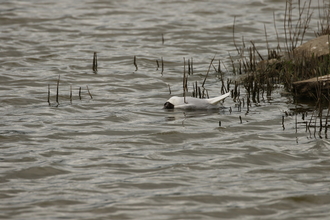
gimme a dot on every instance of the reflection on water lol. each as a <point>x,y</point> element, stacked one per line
<point>119,155</point>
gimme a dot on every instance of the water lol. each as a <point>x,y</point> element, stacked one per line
<point>119,155</point>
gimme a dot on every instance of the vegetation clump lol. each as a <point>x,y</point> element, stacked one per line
<point>302,70</point>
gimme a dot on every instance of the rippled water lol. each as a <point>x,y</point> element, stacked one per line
<point>119,155</point>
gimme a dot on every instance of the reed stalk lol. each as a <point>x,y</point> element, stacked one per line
<point>157,64</point>
<point>195,90</point>
<point>57,89</point>
<point>95,63</point>
<point>208,72</point>
<point>185,81</point>
<point>71,94</point>
<point>169,88</point>
<point>323,25</point>
<point>48,100</point>
<point>189,67</point>
<point>134,62</point>
<point>89,92</point>
<point>162,66</point>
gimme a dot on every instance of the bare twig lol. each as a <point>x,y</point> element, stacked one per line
<point>89,92</point>
<point>278,39</point>
<point>208,71</point>
<point>238,51</point>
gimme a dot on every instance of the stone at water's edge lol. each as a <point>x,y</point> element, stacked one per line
<point>313,87</point>
<point>317,47</point>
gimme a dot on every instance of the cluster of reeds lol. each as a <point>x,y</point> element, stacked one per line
<point>258,77</point>
<point>157,63</point>
<point>57,102</point>
<point>305,75</point>
<point>295,32</point>
<point>315,122</point>
<point>324,20</point>
<point>187,72</point>
<point>199,91</point>
<point>282,66</point>
<point>162,65</point>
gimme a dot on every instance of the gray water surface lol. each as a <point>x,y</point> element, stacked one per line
<point>119,155</point>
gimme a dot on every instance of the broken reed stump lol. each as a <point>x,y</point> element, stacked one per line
<point>169,88</point>
<point>134,62</point>
<point>185,81</point>
<point>48,95</point>
<point>157,64</point>
<point>95,63</point>
<point>57,89</point>
<point>190,67</point>
<point>189,70</point>
<point>71,94</point>
<point>162,65</point>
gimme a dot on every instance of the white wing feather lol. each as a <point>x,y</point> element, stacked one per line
<point>216,100</point>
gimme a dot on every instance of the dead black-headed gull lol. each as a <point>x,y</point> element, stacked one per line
<point>194,103</point>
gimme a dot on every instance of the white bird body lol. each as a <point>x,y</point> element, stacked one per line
<point>194,103</point>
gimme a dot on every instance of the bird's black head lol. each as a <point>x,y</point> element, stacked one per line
<point>168,105</point>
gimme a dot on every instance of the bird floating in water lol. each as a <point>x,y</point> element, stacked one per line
<point>194,103</point>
